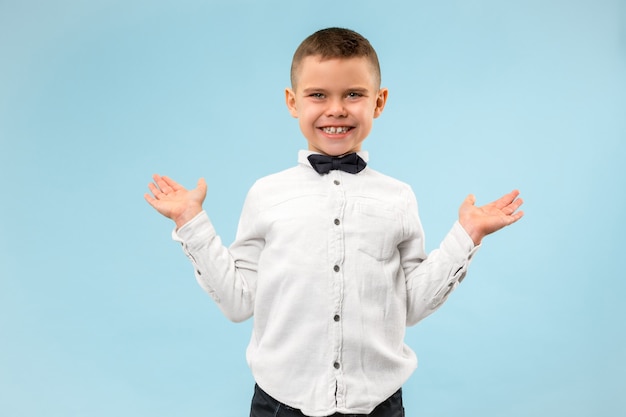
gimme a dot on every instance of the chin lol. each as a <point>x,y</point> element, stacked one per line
<point>339,150</point>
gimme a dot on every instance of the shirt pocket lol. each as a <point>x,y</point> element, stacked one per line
<point>380,230</point>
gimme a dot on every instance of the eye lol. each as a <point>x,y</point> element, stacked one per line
<point>354,94</point>
<point>317,95</point>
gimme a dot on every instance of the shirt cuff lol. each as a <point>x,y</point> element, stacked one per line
<point>197,229</point>
<point>459,243</point>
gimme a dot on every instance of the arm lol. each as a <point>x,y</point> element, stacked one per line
<point>431,278</point>
<point>230,280</point>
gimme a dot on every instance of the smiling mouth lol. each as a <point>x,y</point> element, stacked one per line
<point>332,130</point>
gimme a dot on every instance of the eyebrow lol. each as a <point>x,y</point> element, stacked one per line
<point>312,90</point>
<point>360,90</point>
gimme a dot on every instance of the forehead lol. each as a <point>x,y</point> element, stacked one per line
<point>336,71</point>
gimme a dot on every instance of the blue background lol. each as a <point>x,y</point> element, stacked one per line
<point>99,312</point>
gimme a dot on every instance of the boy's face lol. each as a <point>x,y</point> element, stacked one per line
<point>336,101</point>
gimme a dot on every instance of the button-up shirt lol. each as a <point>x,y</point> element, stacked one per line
<point>333,268</point>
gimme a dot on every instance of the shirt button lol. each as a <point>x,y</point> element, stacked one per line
<point>336,268</point>
<point>198,272</point>
<point>337,222</point>
<point>336,182</point>
<point>336,365</point>
<point>336,318</point>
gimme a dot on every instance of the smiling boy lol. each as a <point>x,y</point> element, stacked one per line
<point>329,255</point>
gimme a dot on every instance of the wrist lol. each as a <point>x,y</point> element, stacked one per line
<point>186,216</point>
<point>476,238</point>
<point>473,233</point>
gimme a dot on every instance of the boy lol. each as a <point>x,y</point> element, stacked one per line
<point>329,255</point>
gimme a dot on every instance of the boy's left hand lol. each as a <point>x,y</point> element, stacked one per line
<point>478,222</point>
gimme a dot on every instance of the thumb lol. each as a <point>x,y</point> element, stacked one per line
<point>202,187</point>
<point>202,184</point>
<point>467,205</point>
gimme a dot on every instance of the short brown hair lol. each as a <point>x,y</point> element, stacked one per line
<point>335,43</point>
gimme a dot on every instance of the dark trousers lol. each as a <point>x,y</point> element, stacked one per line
<point>265,406</point>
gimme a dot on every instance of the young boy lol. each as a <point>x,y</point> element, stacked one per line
<point>329,255</point>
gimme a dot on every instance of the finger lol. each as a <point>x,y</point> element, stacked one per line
<point>506,199</point>
<point>163,183</point>
<point>151,200</point>
<point>172,184</point>
<point>517,203</point>
<point>515,217</point>
<point>158,180</point>
<point>512,207</point>
<point>156,191</point>
<point>155,178</point>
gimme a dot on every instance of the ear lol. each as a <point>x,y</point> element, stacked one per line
<point>290,100</point>
<point>381,100</point>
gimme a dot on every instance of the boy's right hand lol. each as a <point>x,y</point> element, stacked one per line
<point>174,201</point>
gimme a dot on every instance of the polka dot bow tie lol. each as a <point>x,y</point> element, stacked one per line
<point>323,164</point>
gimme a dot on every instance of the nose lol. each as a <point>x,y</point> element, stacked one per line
<point>336,108</point>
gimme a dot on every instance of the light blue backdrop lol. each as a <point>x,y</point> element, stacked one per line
<point>99,312</point>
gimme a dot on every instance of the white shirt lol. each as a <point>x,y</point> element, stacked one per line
<point>333,268</point>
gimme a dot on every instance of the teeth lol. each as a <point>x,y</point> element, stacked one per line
<point>335,130</point>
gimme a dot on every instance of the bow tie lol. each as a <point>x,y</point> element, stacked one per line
<point>323,164</point>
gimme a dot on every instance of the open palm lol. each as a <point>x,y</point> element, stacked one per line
<point>484,220</point>
<point>174,201</point>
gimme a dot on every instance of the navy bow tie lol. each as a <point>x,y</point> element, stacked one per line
<point>323,164</point>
